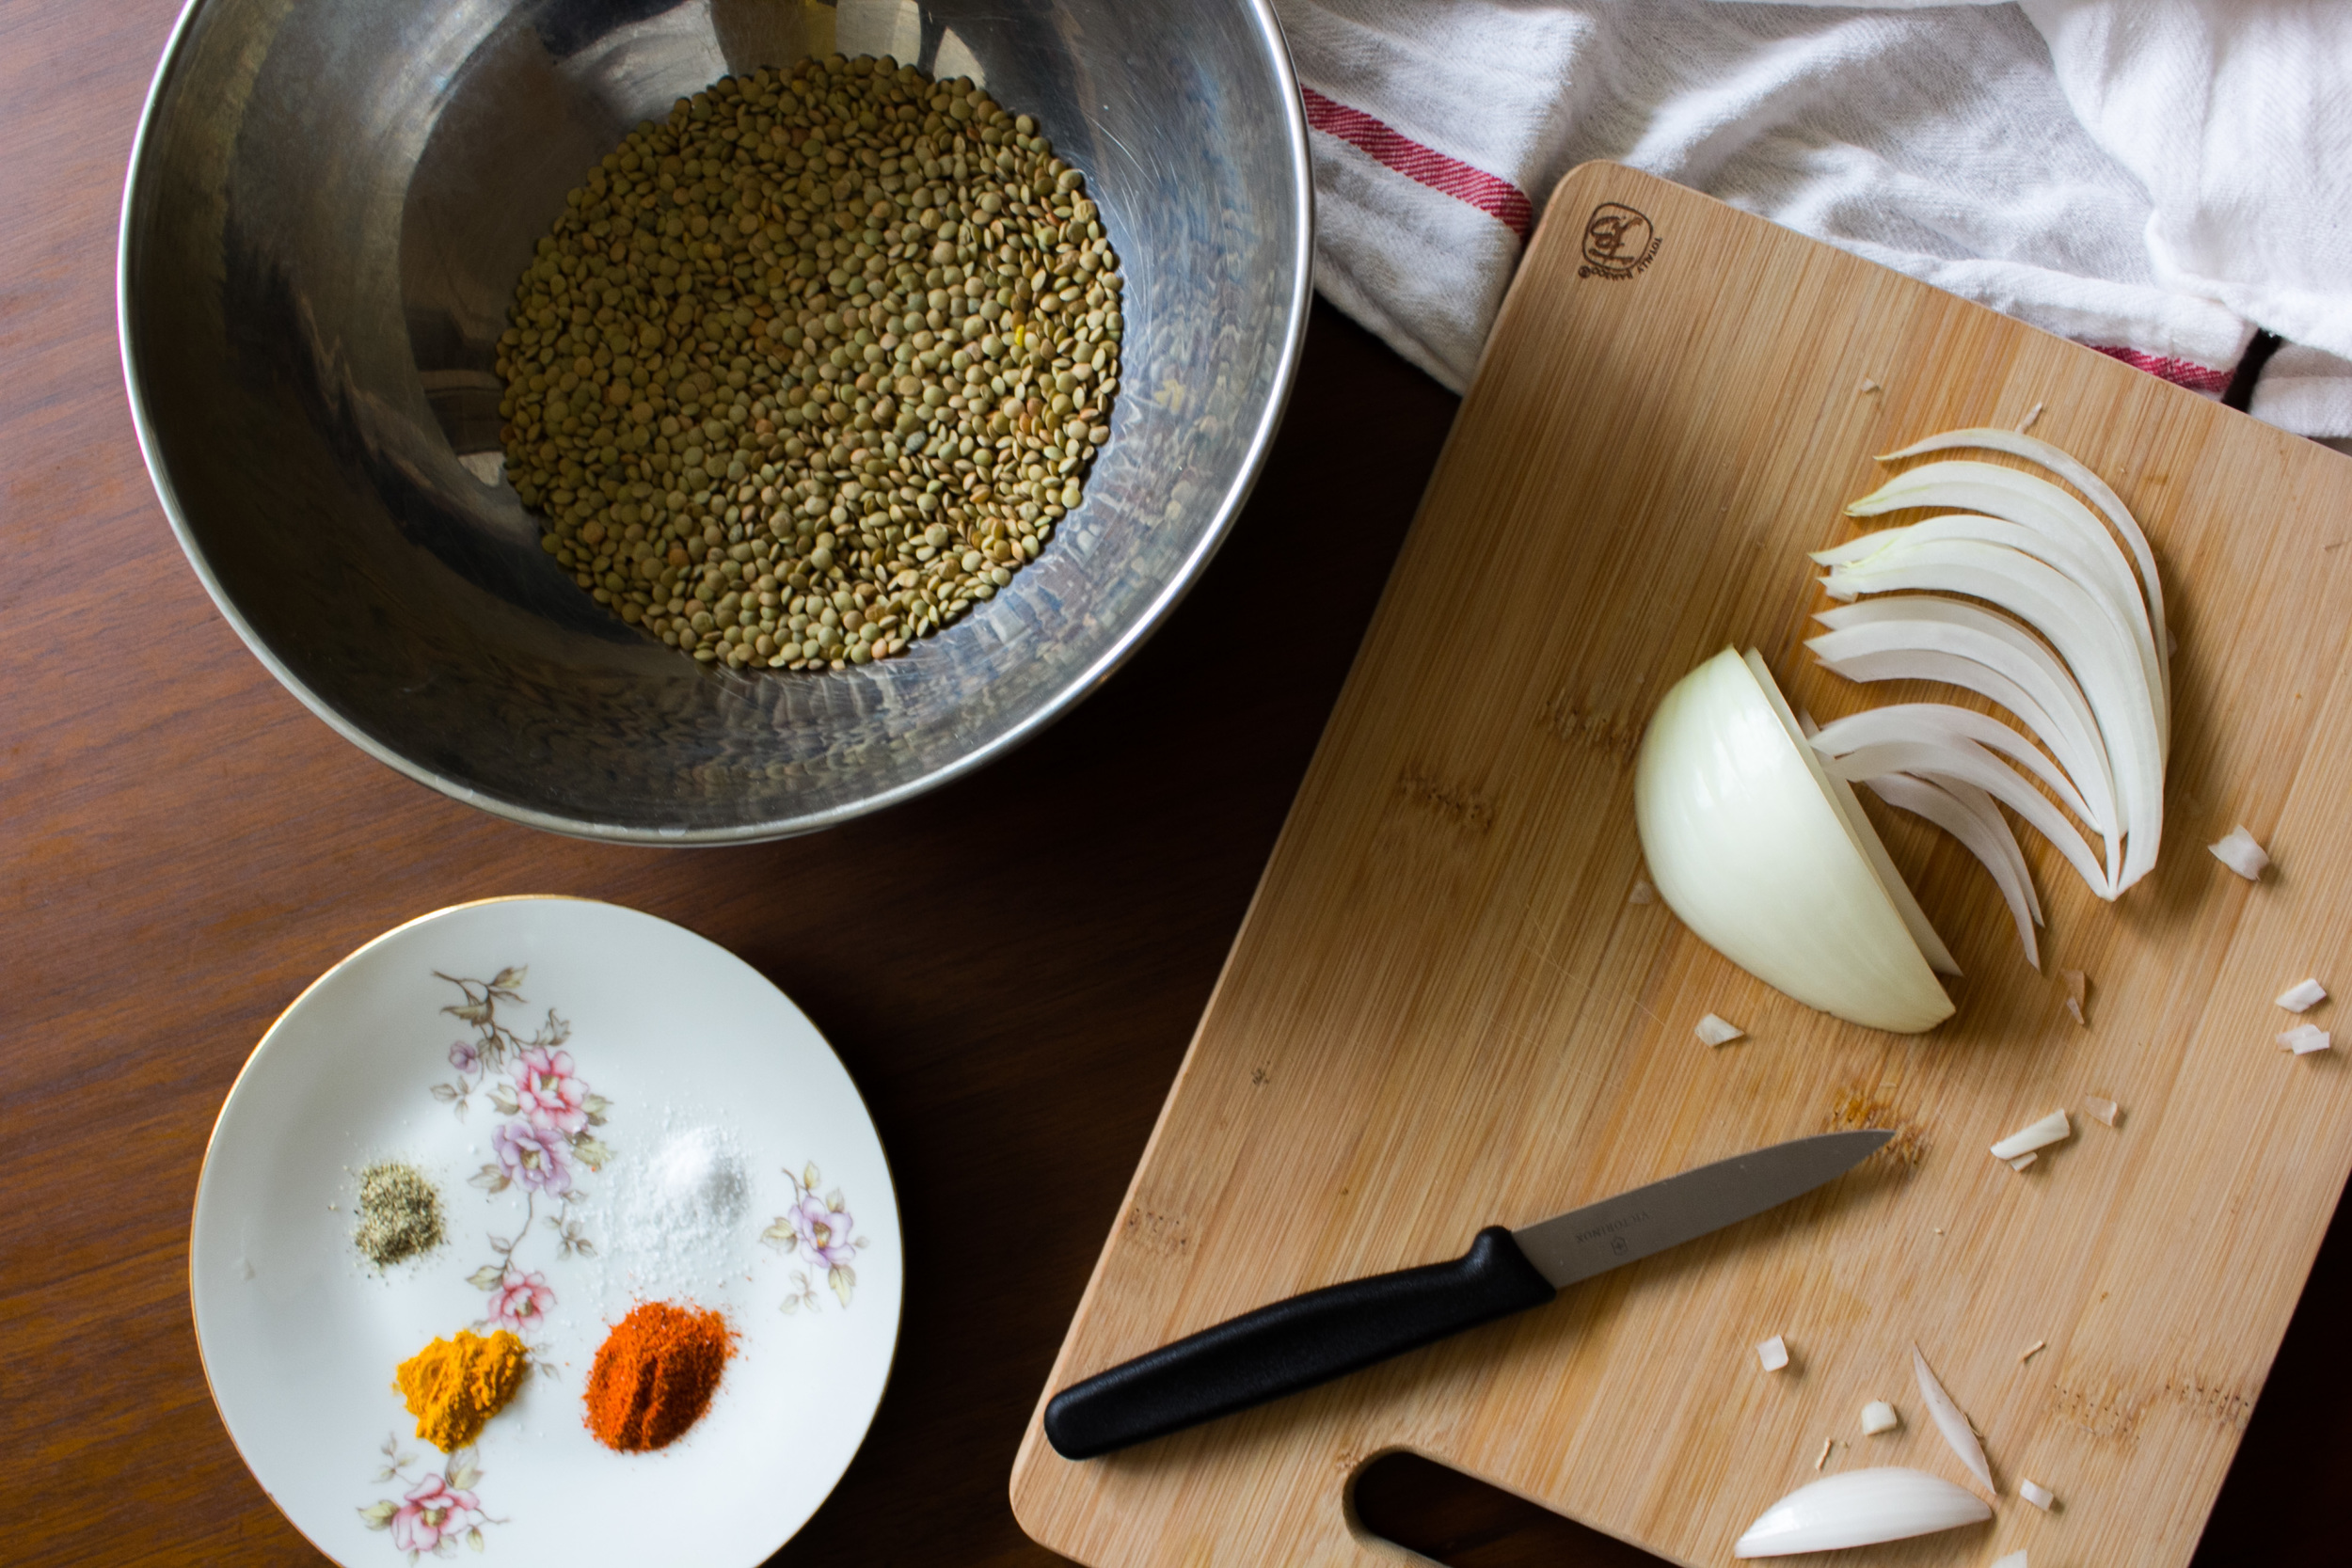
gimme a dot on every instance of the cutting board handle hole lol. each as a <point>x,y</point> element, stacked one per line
<point>1446,1516</point>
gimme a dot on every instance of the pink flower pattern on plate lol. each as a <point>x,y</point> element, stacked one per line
<point>548,1137</point>
<point>532,1158</point>
<point>432,1514</point>
<point>822,1232</point>
<point>550,1096</point>
<point>440,1510</point>
<point>819,1232</point>
<point>520,1301</point>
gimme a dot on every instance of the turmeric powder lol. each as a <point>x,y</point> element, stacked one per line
<point>453,1387</point>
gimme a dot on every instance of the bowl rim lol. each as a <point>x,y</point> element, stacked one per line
<point>1080,686</point>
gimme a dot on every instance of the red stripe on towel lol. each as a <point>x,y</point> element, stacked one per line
<point>2180,372</point>
<point>1496,198</point>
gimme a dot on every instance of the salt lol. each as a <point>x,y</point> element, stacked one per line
<point>680,1220</point>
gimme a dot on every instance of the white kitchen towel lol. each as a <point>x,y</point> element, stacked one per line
<point>2154,181</point>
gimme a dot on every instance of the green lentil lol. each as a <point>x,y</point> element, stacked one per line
<point>400,1214</point>
<point>812,366</point>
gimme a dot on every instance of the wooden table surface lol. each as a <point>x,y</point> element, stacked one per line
<point>185,848</point>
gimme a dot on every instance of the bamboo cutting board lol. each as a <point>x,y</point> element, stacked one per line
<point>1447,1007</point>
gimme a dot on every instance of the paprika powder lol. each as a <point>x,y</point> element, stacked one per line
<point>655,1374</point>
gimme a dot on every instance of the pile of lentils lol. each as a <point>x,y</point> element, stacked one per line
<point>809,368</point>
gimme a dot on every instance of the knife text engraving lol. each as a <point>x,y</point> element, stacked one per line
<point>1623,1222</point>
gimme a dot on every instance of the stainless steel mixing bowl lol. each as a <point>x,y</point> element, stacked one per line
<point>328,205</point>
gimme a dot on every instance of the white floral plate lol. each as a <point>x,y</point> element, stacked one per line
<point>544,1062</point>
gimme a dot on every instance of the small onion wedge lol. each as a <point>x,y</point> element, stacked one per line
<point>1860,1508</point>
<point>1747,844</point>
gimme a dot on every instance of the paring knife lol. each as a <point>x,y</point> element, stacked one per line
<point>1311,1338</point>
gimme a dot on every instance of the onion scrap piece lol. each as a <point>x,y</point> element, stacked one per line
<point>2049,1130</point>
<point>2302,996</point>
<point>2242,854</point>
<point>2304,1038</point>
<point>1952,1423</point>
<point>1713,1030</point>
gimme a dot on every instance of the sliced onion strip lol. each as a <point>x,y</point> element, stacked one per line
<point>1941,723</point>
<point>1990,841</point>
<point>2052,603</point>
<point>1951,1422</point>
<point>2058,460</point>
<point>1968,763</point>
<point>2082,757</point>
<point>1927,622</point>
<point>2039,508</point>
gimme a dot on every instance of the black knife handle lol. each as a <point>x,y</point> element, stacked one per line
<point>1292,1345</point>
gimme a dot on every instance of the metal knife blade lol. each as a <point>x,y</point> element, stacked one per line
<point>1601,1236</point>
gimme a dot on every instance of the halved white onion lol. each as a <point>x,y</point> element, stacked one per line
<point>1969,815</point>
<point>1860,1508</point>
<point>1746,843</point>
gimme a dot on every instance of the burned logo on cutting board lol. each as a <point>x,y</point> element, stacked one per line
<point>1618,241</point>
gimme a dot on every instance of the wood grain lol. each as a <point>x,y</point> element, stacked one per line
<point>1444,1011</point>
<point>1011,968</point>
